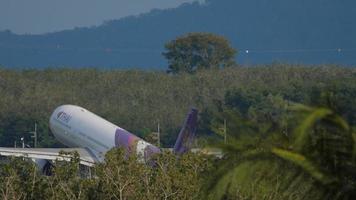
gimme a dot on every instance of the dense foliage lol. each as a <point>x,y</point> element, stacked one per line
<point>314,161</point>
<point>139,100</point>
<point>119,177</point>
<point>275,149</point>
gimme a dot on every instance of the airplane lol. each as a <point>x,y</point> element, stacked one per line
<point>92,136</point>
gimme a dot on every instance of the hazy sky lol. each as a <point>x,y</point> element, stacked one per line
<point>40,16</point>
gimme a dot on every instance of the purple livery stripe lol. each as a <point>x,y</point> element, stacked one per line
<point>125,139</point>
<point>130,142</point>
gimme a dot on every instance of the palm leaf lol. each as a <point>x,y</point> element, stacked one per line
<point>296,107</point>
<point>308,122</point>
<point>338,121</point>
<point>304,163</point>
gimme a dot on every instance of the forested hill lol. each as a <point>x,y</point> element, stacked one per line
<point>297,31</point>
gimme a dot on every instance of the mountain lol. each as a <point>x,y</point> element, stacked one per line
<point>296,31</point>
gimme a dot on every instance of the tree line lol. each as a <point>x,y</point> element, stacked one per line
<point>139,100</point>
<point>276,148</point>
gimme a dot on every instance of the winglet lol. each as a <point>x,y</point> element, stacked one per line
<point>187,133</point>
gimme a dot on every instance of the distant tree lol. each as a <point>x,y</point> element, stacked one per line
<point>196,51</point>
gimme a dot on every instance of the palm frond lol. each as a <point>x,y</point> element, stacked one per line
<point>302,130</point>
<point>297,107</point>
<point>338,121</point>
<point>306,164</point>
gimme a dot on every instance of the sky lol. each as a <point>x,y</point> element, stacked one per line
<point>43,16</point>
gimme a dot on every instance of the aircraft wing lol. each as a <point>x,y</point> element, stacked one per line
<point>86,156</point>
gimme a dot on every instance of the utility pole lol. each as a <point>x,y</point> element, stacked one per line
<point>34,135</point>
<point>15,144</point>
<point>23,142</point>
<point>225,132</point>
<point>158,135</point>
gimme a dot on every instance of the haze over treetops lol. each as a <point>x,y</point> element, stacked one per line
<point>263,31</point>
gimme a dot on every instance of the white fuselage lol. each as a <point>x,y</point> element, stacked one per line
<point>77,127</point>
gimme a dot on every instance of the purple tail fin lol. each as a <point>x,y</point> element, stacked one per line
<point>187,133</point>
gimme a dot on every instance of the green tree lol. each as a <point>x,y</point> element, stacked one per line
<point>122,176</point>
<point>324,146</point>
<point>316,162</point>
<point>195,51</point>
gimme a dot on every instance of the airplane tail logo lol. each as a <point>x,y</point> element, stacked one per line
<point>187,133</point>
